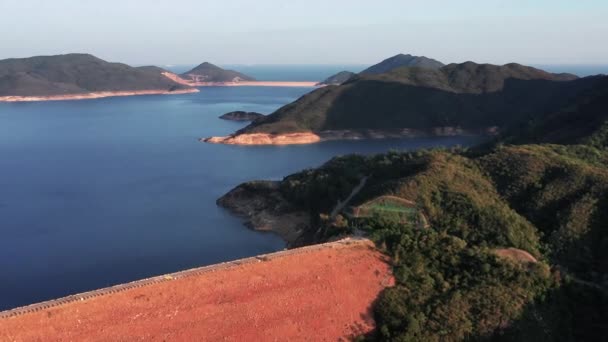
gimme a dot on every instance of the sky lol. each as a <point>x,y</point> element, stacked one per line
<point>173,32</point>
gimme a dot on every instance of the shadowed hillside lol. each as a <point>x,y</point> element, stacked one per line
<point>583,120</point>
<point>338,78</point>
<point>402,60</point>
<point>385,66</point>
<point>463,95</point>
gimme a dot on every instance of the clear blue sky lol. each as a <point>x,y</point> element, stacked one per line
<point>308,31</point>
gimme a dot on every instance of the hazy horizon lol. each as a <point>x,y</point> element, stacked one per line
<point>232,32</point>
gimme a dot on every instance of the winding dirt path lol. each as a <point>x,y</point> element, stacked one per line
<point>341,204</point>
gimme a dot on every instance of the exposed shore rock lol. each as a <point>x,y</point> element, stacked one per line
<point>266,139</point>
<point>240,115</point>
<point>265,209</point>
<point>315,137</point>
<point>95,95</point>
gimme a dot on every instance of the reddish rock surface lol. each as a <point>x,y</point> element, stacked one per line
<point>319,294</point>
<point>266,139</point>
<point>515,254</point>
<point>298,138</point>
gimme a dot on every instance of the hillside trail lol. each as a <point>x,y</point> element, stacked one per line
<point>341,204</point>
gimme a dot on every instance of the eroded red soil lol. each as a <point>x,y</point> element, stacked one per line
<point>317,295</point>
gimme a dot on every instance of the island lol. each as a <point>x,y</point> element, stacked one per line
<point>240,115</point>
<point>81,76</point>
<point>487,243</point>
<point>456,99</point>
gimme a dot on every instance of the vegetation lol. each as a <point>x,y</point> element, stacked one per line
<point>207,72</point>
<point>76,74</point>
<point>582,120</point>
<point>386,65</point>
<point>548,200</point>
<point>469,96</point>
<point>402,60</point>
<point>541,187</point>
<point>448,289</point>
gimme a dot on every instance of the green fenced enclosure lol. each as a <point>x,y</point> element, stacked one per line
<point>390,207</point>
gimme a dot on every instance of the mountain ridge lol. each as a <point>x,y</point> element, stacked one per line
<point>391,63</point>
<point>402,60</point>
<point>78,74</point>
<point>466,95</point>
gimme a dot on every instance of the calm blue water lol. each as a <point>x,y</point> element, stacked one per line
<point>303,73</point>
<point>580,70</point>
<point>99,192</point>
<point>321,72</point>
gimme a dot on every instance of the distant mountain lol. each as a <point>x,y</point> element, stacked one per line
<point>402,60</point>
<point>73,74</point>
<point>467,95</point>
<point>338,78</point>
<point>207,72</point>
<point>386,65</point>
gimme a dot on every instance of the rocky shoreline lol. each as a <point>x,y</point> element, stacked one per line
<point>169,75</point>
<point>265,209</point>
<point>94,95</point>
<point>315,137</point>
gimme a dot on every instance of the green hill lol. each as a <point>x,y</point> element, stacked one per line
<point>548,200</point>
<point>468,95</point>
<point>458,274</point>
<point>207,72</point>
<point>76,74</point>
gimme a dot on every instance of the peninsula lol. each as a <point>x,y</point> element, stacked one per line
<point>467,98</point>
<point>80,76</point>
